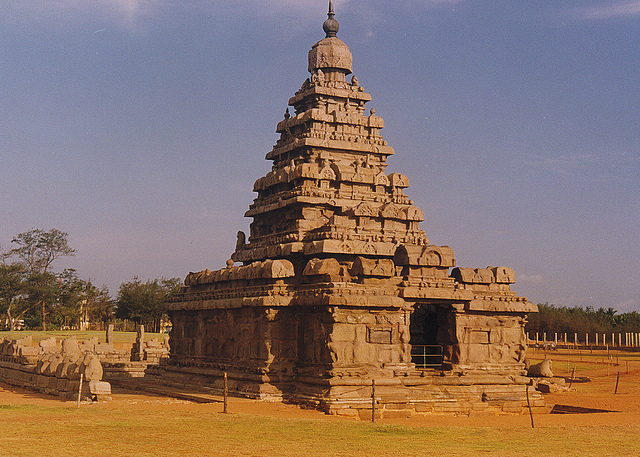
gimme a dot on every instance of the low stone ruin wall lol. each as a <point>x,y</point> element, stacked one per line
<point>53,370</point>
<point>134,363</point>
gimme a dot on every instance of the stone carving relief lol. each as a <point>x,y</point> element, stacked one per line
<point>363,209</point>
<point>382,180</point>
<point>327,173</point>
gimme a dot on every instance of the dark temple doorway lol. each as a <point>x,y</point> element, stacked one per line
<point>429,335</point>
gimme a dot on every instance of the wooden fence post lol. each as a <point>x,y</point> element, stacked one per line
<point>529,406</point>
<point>573,373</point>
<point>226,393</point>
<point>80,389</point>
<point>373,400</point>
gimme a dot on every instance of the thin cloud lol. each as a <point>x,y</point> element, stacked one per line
<point>433,3</point>
<point>562,163</point>
<point>620,9</point>
<point>60,11</point>
<point>129,8</point>
<point>587,167</point>
<point>131,12</point>
<point>536,279</point>
<point>626,305</point>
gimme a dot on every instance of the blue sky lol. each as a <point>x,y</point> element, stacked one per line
<point>139,127</point>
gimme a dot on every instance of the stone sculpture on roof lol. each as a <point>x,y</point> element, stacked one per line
<point>337,286</point>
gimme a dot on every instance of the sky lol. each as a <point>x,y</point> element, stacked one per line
<point>139,127</point>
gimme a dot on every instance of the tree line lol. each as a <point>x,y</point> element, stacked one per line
<point>561,319</point>
<point>34,296</point>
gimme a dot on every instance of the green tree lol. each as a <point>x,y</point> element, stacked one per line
<point>82,302</point>
<point>38,249</point>
<point>29,282</point>
<point>562,319</point>
<point>42,291</point>
<point>12,288</point>
<point>145,302</point>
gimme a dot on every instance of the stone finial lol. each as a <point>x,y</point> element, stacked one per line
<point>330,26</point>
<point>330,53</point>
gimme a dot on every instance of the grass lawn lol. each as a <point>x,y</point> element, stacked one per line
<point>565,361</point>
<point>137,424</point>
<point>171,428</point>
<point>120,338</point>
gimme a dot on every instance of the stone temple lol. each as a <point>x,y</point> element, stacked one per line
<point>337,287</point>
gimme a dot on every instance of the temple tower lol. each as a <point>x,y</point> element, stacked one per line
<point>328,194</point>
<point>337,286</point>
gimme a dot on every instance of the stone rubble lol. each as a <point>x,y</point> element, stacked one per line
<point>55,369</point>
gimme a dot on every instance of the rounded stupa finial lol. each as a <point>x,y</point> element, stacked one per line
<point>330,54</point>
<point>330,26</point>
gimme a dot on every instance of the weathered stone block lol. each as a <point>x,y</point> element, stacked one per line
<point>538,403</point>
<point>512,407</point>
<point>62,385</point>
<point>452,407</point>
<point>322,267</point>
<point>547,388</point>
<point>479,337</point>
<point>542,369</point>
<point>504,275</point>
<point>100,388</point>
<point>102,348</point>
<point>26,341</point>
<point>343,332</point>
<point>48,343</point>
<point>379,336</point>
<point>70,346</point>
<point>399,180</point>
<point>347,412</point>
<point>479,406</point>
<point>278,269</point>
<point>396,413</point>
<point>424,407</point>
<point>373,267</point>
<point>365,414</point>
<point>42,381</point>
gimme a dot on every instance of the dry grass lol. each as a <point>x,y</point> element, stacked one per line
<point>148,425</point>
<point>153,426</point>
<point>120,338</point>
<point>566,361</point>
